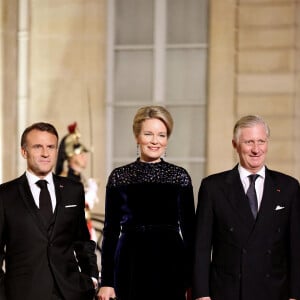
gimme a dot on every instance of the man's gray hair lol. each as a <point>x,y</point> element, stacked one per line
<point>247,122</point>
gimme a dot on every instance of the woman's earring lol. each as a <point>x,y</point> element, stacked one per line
<point>137,150</point>
<point>165,154</point>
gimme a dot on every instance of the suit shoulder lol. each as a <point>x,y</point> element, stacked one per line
<point>217,176</point>
<point>219,180</point>
<point>67,181</point>
<point>282,177</point>
<point>10,184</point>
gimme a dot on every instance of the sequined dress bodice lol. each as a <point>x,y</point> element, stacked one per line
<point>142,173</point>
<point>148,193</point>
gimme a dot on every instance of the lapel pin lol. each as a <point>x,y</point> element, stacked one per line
<point>278,190</point>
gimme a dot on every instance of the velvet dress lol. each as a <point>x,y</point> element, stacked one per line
<point>148,231</point>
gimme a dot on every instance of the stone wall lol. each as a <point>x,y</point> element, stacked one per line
<point>8,92</point>
<point>65,76</point>
<point>254,71</point>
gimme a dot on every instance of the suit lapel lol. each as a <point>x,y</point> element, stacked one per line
<point>238,199</point>
<point>28,200</point>
<point>268,203</point>
<point>58,189</point>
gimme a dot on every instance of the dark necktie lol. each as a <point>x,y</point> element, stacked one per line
<point>45,201</point>
<point>251,195</point>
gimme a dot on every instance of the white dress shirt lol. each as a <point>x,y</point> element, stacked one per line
<point>35,190</point>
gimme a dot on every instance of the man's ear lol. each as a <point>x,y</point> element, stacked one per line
<point>24,152</point>
<point>234,145</point>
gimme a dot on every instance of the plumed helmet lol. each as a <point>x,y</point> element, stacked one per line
<point>72,141</point>
<point>69,146</point>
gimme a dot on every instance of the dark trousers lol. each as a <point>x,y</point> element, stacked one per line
<point>56,295</point>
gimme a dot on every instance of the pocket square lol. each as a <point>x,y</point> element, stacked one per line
<point>71,205</point>
<point>278,207</point>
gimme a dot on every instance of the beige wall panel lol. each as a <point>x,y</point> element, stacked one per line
<point>271,60</point>
<point>266,83</point>
<point>221,85</point>
<point>67,74</point>
<point>67,16</point>
<point>67,59</point>
<point>282,128</point>
<point>282,149</point>
<point>297,96</point>
<point>57,97</point>
<point>268,15</point>
<point>297,135</point>
<point>282,166</point>
<point>265,63</point>
<point>9,139</point>
<point>266,1</point>
<point>1,62</point>
<point>298,32</point>
<point>266,38</point>
<point>281,155</point>
<point>266,105</point>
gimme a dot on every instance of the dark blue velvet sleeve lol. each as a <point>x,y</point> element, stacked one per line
<point>111,232</point>
<point>187,225</point>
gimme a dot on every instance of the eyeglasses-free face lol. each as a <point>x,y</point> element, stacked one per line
<point>252,147</point>
<point>152,140</point>
<point>40,152</point>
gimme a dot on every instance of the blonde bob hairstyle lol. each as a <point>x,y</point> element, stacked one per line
<point>152,112</point>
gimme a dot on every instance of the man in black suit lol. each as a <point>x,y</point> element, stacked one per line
<point>47,249</point>
<point>248,235</point>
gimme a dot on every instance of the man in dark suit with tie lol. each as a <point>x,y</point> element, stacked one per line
<point>44,240</point>
<point>247,243</point>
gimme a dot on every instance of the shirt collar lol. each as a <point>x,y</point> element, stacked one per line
<point>32,178</point>
<point>245,173</point>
